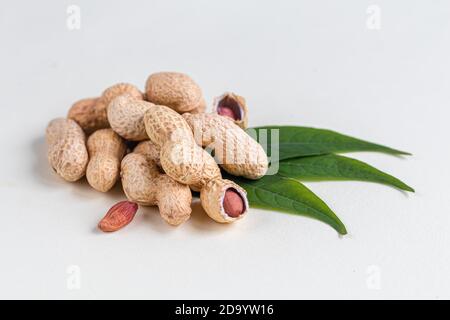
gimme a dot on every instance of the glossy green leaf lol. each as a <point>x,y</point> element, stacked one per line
<point>297,141</point>
<point>336,167</point>
<point>288,195</point>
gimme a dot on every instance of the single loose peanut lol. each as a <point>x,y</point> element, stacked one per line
<point>236,152</point>
<point>175,90</point>
<point>144,183</point>
<point>186,162</point>
<point>67,152</point>
<point>232,106</point>
<point>106,150</point>
<point>118,216</point>
<point>126,114</point>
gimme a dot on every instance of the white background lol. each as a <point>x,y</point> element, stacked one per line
<point>312,63</point>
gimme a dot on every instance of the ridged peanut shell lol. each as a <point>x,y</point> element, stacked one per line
<point>164,124</point>
<point>67,153</point>
<point>143,183</point>
<point>176,90</point>
<point>126,114</point>
<point>188,163</point>
<point>106,150</point>
<point>212,198</point>
<point>119,89</point>
<point>150,150</point>
<point>236,152</point>
<point>90,114</point>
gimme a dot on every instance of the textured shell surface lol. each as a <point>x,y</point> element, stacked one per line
<point>144,183</point>
<point>67,153</point>
<point>106,150</point>
<point>90,114</point>
<point>150,150</point>
<point>126,116</point>
<point>189,164</point>
<point>138,178</point>
<point>175,90</point>
<point>119,89</point>
<point>163,124</point>
<point>212,196</point>
<point>237,152</point>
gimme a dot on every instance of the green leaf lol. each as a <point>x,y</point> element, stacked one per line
<point>336,167</point>
<point>288,195</point>
<point>297,141</point>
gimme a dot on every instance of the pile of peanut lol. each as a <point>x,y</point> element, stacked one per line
<point>154,143</point>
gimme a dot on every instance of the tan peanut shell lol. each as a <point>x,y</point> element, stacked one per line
<point>188,163</point>
<point>184,161</point>
<point>175,90</point>
<point>150,150</point>
<point>125,115</point>
<point>106,150</point>
<point>90,114</point>
<point>145,184</point>
<point>233,106</point>
<point>212,198</point>
<point>180,158</point>
<point>236,152</point>
<point>119,89</point>
<point>67,153</point>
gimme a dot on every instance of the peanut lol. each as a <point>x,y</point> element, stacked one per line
<point>106,150</point>
<point>67,152</point>
<point>118,89</point>
<point>175,90</point>
<point>144,183</point>
<point>236,152</point>
<point>186,162</point>
<point>232,106</point>
<point>118,216</point>
<point>125,114</point>
<point>90,114</point>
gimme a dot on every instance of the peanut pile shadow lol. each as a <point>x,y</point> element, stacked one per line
<point>43,173</point>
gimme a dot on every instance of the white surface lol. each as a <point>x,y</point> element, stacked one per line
<point>309,63</point>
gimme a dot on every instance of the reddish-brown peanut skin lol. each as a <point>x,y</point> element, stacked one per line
<point>175,90</point>
<point>232,106</point>
<point>90,114</point>
<point>222,206</point>
<point>120,215</point>
<point>106,150</point>
<point>67,153</point>
<point>233,204</point>
<point>237,152</point>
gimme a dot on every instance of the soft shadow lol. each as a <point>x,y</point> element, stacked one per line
<point>41,170</point>
<point>201,221</point>
<point>150,217</point>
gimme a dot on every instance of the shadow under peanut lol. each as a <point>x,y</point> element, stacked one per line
<point>201,221</point>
